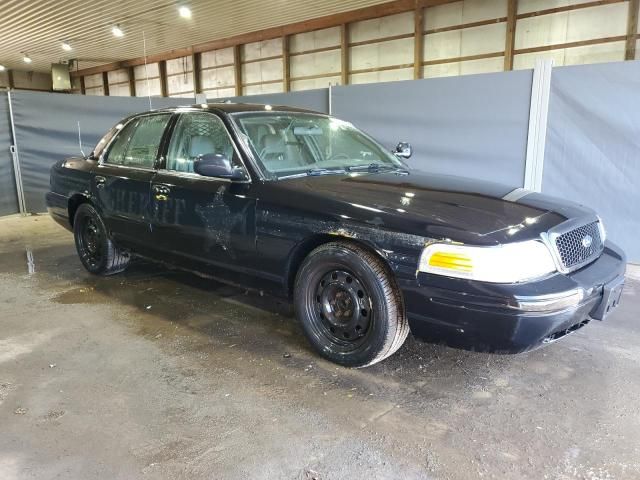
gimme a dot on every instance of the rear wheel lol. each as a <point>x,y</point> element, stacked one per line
<point>97,252</point>
<point>349,306</point>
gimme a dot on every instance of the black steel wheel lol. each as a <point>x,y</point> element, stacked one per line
<point>343,307</point>
<point>97,252</point>
<point>349,306</point>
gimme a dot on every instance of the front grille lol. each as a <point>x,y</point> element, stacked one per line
<point>579,245</point>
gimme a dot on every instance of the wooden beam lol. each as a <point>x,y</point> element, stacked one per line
<point>632,30</point>
<point>162,68</point>
<point>10,83</point>
<point>83,90</point>
<point>418,42</point>
<point>105,83</point>
<point>261,82</point>
<point>132,81</point>
<point>383,69</point>
<point>568,8</point>
<point>334,20</point>
<point>237,65</point>
<point>215,67</point>
<point>286,73</point>
<point>262,59</point>
<point>381,39</point>
<point>314,50</point>
<point>317,75</point>
<point>480,56</point>
<point>582,43</point>
<point>510,40</point>
<point>196,63</point>
<point>462,26</point>
<point>344,53</point>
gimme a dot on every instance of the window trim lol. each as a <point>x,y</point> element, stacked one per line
<point>103,162</point>
<point>162,164</point>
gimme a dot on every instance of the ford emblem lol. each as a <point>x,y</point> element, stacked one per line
<point>587,241</point>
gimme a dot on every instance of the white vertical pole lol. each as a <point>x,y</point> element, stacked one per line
<point>16,161</point>
<point>537,137</point>
<point>330,92</point>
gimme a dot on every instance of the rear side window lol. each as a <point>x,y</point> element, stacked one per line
<point>195,135</point>
<point>138,143</point>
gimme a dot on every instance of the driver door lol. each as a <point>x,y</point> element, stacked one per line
<point>198,218</point>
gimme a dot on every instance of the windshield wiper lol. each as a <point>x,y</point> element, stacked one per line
<point>372,167</point>
<point>324,171</point>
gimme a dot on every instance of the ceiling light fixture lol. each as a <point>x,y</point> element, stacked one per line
<point>66,46</point>
<point>185,12</point>
<point>26,58</point>
<point>117,31</point>
<point>2,68</point>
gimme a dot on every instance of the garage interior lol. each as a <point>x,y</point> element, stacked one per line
<point>159,373</point>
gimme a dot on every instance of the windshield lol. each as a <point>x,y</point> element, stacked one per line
<point>287,143</point>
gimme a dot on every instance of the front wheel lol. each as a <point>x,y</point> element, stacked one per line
<point>97,252</point>
<point>349,305</point>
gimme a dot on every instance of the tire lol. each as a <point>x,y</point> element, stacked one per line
<point>349,305</point>
<point>97,252</point>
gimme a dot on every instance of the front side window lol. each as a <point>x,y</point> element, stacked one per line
<point>195,135</point>
<point>138,142</point>
<point>290,143</point>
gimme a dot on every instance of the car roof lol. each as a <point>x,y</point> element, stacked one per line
<point>229,107</point>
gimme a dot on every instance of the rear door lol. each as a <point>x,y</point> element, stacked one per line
<point>204,219</point>
<point>121,183</point>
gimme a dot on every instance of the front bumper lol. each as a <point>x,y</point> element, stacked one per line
<point>509,318</point>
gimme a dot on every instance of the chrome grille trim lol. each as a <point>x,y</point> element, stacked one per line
<point>566,243</point>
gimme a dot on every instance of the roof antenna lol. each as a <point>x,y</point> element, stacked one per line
<point>80,141</point>
<point>146,68</point>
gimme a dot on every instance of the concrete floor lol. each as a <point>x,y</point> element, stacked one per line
<point>160,374</point>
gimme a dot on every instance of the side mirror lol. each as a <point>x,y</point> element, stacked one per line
<point>403,150</point>
<point>217,165</point>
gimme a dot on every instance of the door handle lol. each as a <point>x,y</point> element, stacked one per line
<point>162,189</point>
<point>100,181</point>
<point>161,192</point>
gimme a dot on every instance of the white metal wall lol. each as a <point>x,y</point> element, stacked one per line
<point>218,73</point>
<point>457,38</point>
<point>180,77</point>
<point>315,59</point>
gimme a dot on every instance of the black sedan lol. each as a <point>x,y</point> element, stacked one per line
<point>307,206</point>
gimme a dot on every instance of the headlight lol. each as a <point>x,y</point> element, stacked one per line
<point>510,263</point>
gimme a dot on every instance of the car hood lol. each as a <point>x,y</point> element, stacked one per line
<point>430,205</point>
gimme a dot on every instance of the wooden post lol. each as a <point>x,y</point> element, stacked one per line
<point>418,45</point>
<point>286,73</point>
<point>344,53</point>
<point>512,13</point>
<point>83,90</point>
<point>162,69</point>
<point>196,64</point>
<point>237,64</point>
<point>632,30</point>
<point>105,83</point>
<point>132,81</point>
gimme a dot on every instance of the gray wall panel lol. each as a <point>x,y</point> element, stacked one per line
<point>317,100</point>
<point>47,130</point>
<point>8,195</point>
<point>472,126</point>
<point>592,154</point>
